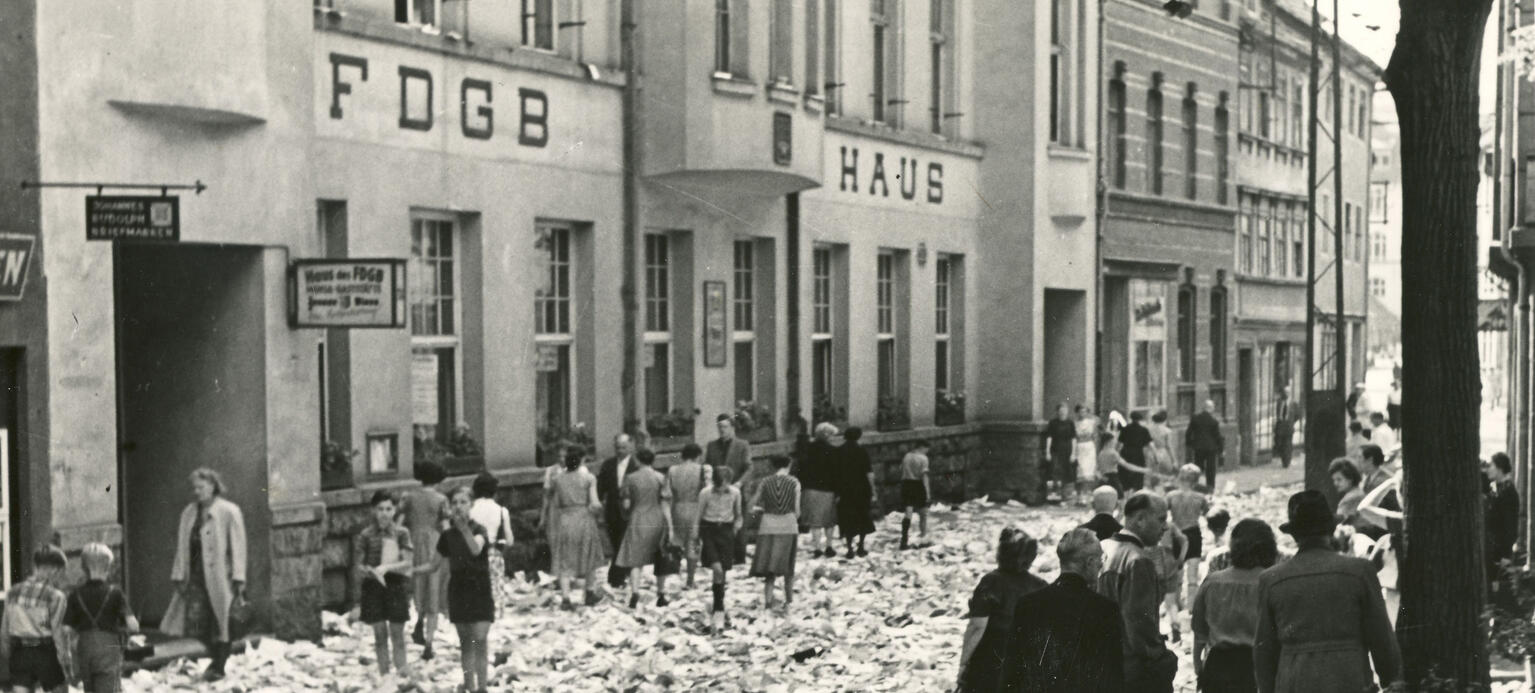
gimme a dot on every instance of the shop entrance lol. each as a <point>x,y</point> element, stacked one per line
<point>1065,346</point>
<point>191,393</point>
<point>12,470</point>
<point>1247,397</point>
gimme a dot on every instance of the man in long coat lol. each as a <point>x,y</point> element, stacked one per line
<point>1204,438</point>
<point>1321,618</point>
<point>609,480</point>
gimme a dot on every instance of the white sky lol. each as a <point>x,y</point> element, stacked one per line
<point>1359,15</point>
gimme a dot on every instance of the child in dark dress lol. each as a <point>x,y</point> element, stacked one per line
<point>470,606</point>
<point>383,555</point>
<point>98,614</point>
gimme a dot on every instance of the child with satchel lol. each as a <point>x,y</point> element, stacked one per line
<point>98,615</point>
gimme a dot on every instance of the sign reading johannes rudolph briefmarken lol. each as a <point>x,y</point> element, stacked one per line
<point>347,293</point>
<point>132,218</point>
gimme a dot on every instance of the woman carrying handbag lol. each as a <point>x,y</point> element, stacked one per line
<point>209,571</point>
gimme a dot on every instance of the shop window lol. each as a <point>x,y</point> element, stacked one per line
<point>1116,125</point>
<point>941,67</point>
<point>1154,135</point>
<point>1148,343</point>
<point>417,12</point>
<point>744,333</point>
<point>436,388</point>
<point>831,56</point>
<point>941,288</point>
<point>554,337</point>
<point>1190,145</point>
<point>781,49</point>
<point>658,335</point>
<point>538,24</point>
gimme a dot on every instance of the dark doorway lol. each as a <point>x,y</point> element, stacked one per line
<point>1065,349</point>
<point>192,393</point>
<point>1246,404</point>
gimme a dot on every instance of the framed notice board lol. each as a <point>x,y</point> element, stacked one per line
<point>716,334</point>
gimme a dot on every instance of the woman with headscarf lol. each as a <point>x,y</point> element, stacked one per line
<point>209,571</point>
<point>855,493</point>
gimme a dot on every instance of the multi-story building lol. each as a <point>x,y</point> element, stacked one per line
<point>1385,222</point>
<point>1271,188</point>
<point>1169,150</point>
<point>824,188</point>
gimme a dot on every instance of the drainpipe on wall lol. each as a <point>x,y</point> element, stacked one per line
<point>793,411</point>
<point>1102,190</point>
<point>631,212</point>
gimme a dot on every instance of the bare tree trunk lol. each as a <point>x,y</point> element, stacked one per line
<point>1433,78</point>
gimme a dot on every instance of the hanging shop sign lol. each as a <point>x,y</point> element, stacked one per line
<point>133,218</point>
<point>358,293</point>
<point>15,258</point>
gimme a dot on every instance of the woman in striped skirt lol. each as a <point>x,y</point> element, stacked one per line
<point>778,499</point>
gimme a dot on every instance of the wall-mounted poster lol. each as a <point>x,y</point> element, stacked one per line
<point>716,338</point>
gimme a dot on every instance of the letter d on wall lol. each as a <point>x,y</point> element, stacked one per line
<point>423,124</point>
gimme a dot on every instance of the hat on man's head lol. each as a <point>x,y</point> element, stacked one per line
<point>1310,515</point>
<point>723,417</point>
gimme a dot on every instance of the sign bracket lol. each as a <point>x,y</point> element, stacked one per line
<point>197,186</point>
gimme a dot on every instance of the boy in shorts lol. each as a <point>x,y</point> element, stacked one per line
<point>384,556</point>
<point>31,631</point>
<point>915,491</point>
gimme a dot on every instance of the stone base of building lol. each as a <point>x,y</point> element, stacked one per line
<point>298,542</point>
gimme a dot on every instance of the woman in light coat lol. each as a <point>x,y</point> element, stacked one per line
<point>209,571</point>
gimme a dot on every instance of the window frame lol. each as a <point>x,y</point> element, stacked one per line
<point>1155,137</point>
<point>1191,145</point>
<point>781,43</point>
<point>452,340</point>
<point>659,305</point>
<point>1159,389</point>
<point>531,22</point>
<point>743,301</point>
<point>555,234</point>
<point>941,68</point>
<point>831,56</point>
<point>413,12</point>
<point>1118,117</point>
<point>1219,338</point>
<point>1223,150</point>
<point>943,278</point>
<point>822,333</point>
<point>1188,332</point>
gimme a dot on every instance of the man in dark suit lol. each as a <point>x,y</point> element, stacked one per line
<point>609,480</point>
<point>1204,438</point>
<point>1065,637</point>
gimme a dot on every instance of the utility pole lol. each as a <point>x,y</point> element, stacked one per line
<point>629,294</point>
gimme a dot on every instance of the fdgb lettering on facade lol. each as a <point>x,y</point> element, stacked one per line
<point>476,100</point>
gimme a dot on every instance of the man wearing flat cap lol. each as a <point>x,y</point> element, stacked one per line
<point>1321,619</point>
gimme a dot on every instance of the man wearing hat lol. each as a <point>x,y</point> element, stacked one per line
<point>1321,619</point>
<point>729,451</point>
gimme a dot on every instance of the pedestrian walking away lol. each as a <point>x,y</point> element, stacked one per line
<point>383,561</point>
<point>97,616</point>
<point>426,516</point>
<point>915,493</point>
<point>496,520</point>
<point>1321,620</point>
<point>1224,612</point>
<point>577,547</point>
<point>1284,428</point>
<point>719,520</point>
<point>1133,441</point>
<point>992,606</point>
<point>1502,509</point>
<point>1064,637</point>
<point>209,570</point>
<point>855,493</point>
<point>647,506</point>
<point>686,479</point>
<point>1129,578</point>
<point>1187,506</point>
<point>1161,460</point>
<point>1105,505</point>
<point>818,479</point>
<point>1111,464</point>
<point>609,480</point>
<point>778,502</point>
<point>33,641</point>
<point>465,546</point>
<point>1205,439</point>
<point>1058,446</point>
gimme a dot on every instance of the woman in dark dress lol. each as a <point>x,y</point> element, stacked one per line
<point>855,493</point>
<point>470,606</point>
<point>817,474</point>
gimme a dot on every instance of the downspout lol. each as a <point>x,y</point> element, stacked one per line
<point>793,408</point>
<point>1102,190</point>
<point>631,224</point>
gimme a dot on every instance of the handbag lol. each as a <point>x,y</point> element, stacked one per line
<point>668,559</point>
<point>241,617</point>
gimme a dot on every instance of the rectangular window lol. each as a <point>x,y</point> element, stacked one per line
<point>781,52</point>
<point>744,333</point>
<point>1282,108</point>
<point>1218,333</point>
<point>553,336</point>
<point>884,312</point>
<point>1350,114</point>
<point>1324,226</point>
<point>941,290</point>
<point>1190,147</point>
<point>941,47</point>
<point>1281,238</point>
<point>538,24</point>
<point>1061,50</point>
<point>1364,112</point>
<point>722,36</point>
<point>1265,115</point>
<point>1298,238</point>
<point>417,12</point>
<point>822,373</point>
<point>657,324</point>
<point>1187,319</point>
<point>1154,140</point>
<point>1222,151</point>
<point>812,47</point>
<point>1298,115</point>
<point>1148,340</point>
<point>1377,287</point>
<point>1378,192</point>
<point>1117,132</point>
<point>1265,220</point>
<point>832,55</point>
<point>434,311</point>
<point>1378,247</point>
<point>886,62</point>
<point>1245,223</point>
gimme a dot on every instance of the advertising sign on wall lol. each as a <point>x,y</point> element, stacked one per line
<point>15,256</point>
<point>347,293</point>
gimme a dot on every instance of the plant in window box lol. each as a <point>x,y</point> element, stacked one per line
<point>672,429</point>
<point>336,464</point>
<point>754,422</point>
<point>893,414</point>
<point>823,410</point>
<point>553,441</point>
<point>949,408</point>
<point>458,454</point>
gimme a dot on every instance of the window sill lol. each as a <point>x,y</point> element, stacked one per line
<point>731,85</point>
<point>814,103</point>
<point>784,93</point>
<point>1275,281</point>
<point>1061,151</point>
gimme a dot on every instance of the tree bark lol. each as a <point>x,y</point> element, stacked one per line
<point>1433,77</point>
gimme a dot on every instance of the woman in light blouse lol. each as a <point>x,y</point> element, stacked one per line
<point>1225,612</point>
